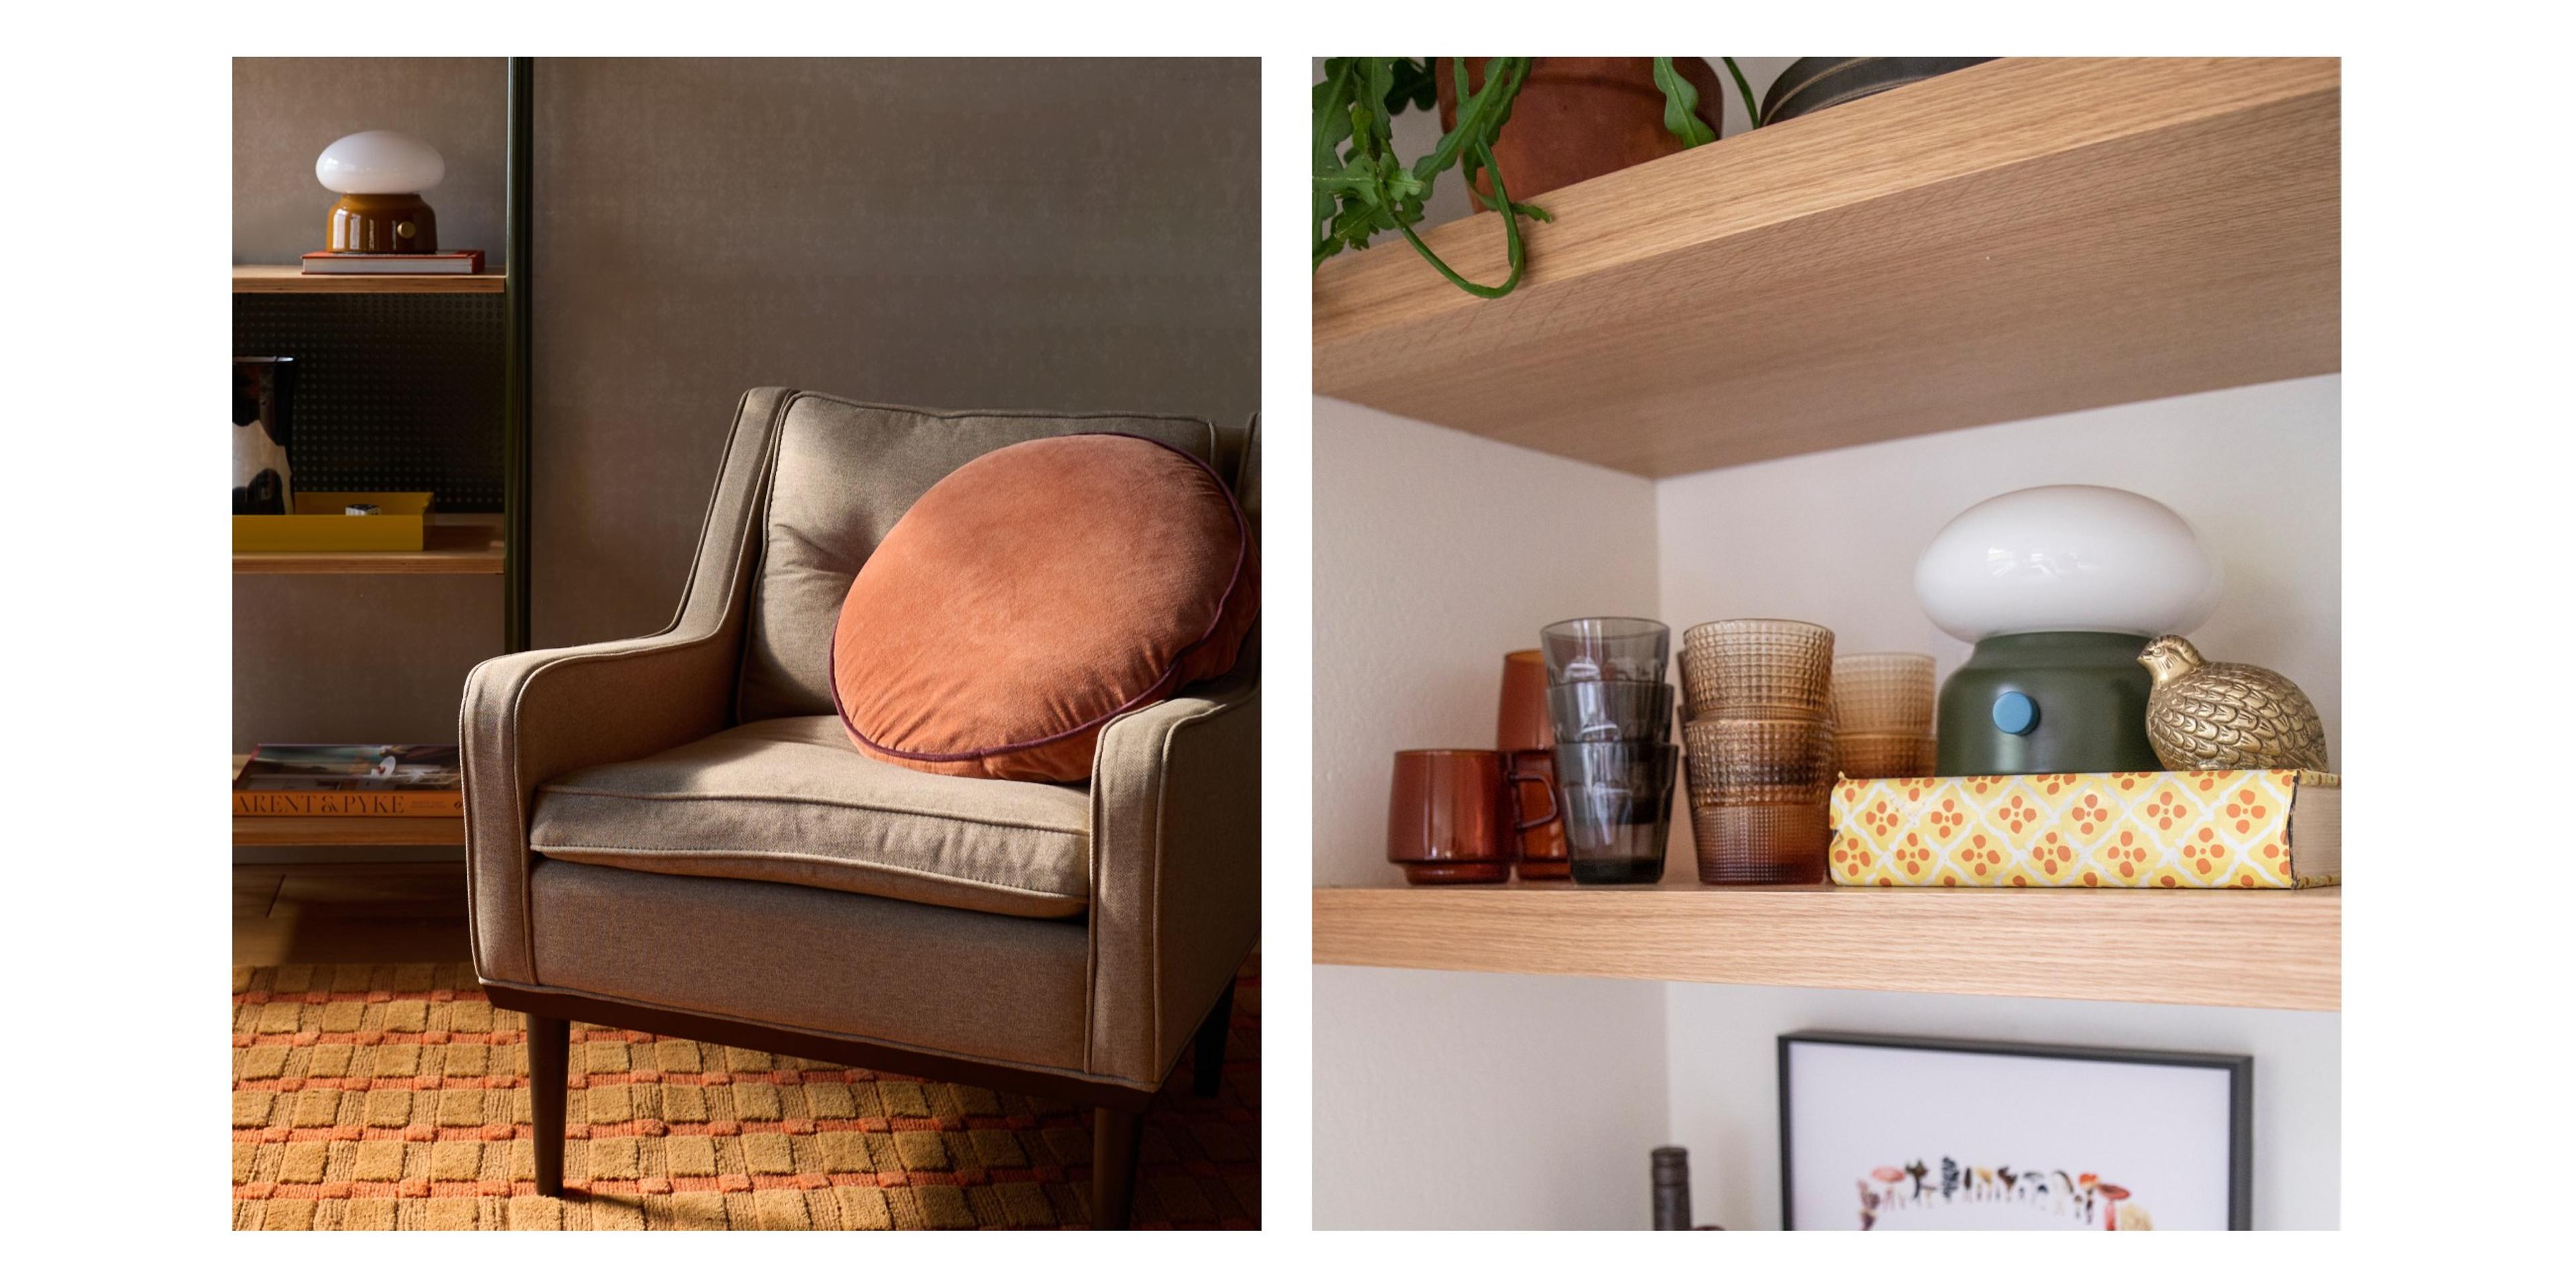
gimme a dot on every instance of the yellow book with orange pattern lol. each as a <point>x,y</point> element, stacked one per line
<point>2254,829</point>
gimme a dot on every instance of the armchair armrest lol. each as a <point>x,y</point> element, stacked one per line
<point>1175,869</point>
<point>532,717</point>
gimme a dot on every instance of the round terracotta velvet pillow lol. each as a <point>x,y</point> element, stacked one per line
<point>1035,594</point>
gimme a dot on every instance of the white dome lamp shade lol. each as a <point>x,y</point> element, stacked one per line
<point>2059,588</point>
<point>2067,558</point>
<point>380,175</point>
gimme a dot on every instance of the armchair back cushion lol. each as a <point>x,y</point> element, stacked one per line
<point>843,474</point>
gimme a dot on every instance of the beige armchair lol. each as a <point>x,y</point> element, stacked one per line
<point>672,833</point>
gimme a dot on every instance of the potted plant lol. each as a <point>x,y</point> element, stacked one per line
<point>1584,117</point>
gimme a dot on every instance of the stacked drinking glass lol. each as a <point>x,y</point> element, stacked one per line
<point>1615,758</point>
<point>1883,715</point>
<point>1761,745</point>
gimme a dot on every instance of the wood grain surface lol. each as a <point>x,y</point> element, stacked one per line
<point>2020,238</point>
<point>291,278</point>
<point>455,545</point>
<point>2280,949</point>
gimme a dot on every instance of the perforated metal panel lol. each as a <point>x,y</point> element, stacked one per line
<point>394,393</point>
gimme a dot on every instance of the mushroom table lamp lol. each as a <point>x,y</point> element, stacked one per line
<point>2059,588</point>
<point>380,175</point>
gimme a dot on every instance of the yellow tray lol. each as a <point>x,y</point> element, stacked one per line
<point>318,524</point>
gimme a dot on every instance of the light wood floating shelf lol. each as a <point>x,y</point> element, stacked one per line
<point>456,545</point>
<point>2280,949</point>
<point>292,279</point>
<point>2021,238</point>
<point>343,831</point>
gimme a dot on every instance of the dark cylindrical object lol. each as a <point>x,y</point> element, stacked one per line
<point>1814,84</point>
<point>1671,1169</point>
<point>2048,702</point>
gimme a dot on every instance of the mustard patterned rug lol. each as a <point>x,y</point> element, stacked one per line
<point>395,1097</point>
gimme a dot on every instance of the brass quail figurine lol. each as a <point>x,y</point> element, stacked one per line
<point>2227,715</point>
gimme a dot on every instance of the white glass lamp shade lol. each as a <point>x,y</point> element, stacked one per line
<point>379,161</point>
<point>2067,558</point>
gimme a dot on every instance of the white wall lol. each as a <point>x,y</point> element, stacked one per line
<point>1436,553</point>
<point>1457,1100</point>
<point>1832,538</point>
<point>1413,609</point>
<point>1504,1102</point>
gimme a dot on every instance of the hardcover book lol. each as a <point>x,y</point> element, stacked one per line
<point>421,779</point>
<point>342,261</point>
<point>2246,829</point>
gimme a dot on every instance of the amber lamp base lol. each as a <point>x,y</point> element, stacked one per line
<point>384,224</point>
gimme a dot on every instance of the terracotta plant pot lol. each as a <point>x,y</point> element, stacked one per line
<point>1577,118</point>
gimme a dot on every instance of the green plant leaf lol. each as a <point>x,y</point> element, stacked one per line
<point>1752,110</point>
<point>1413,86</point>
<point>1363,189</point>
<point>1681,106</point>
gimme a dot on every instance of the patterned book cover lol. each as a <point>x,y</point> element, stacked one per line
<point>2248,829</point>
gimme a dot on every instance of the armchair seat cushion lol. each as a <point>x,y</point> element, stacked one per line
<point>790,801</point>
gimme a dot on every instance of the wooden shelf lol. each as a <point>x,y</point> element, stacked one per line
<point>348,831</point>
<point>457,544</point>
<point>283,279</point>
<point>344,831</point>
<point>2024,237</point>
<point>2280,949</point>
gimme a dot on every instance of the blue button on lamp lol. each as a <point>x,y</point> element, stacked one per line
<point>2015,713</point>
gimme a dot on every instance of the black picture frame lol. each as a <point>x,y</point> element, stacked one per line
<point>2240,1097</point>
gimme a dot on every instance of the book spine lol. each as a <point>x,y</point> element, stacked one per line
<point>410,804</point>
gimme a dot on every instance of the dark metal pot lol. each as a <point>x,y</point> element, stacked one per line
<point>1813,84</point>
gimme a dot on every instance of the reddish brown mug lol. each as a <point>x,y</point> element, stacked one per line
<point>1444,817</point>
<point>1538,835</point>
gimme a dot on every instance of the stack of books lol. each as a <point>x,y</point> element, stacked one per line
<point>303,779</point>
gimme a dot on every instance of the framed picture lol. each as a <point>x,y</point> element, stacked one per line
<point>1890,1133</point>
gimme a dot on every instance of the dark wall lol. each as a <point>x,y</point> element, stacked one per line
<point>286,110</point>
<point>1074,234</point>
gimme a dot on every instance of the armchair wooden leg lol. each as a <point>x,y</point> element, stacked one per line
<point>1114,1137</point>
<point>1207,1061</point>
<point>549,1054</point>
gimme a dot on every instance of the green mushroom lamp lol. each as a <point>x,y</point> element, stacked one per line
<point>2060,588</point>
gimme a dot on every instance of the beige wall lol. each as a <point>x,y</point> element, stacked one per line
<point>1053,233</point>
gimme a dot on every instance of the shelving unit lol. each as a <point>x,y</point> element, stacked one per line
<point>457,545</point>
<point>2020,238</point>
<point>2279,949</point>
<point>290,279</point>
